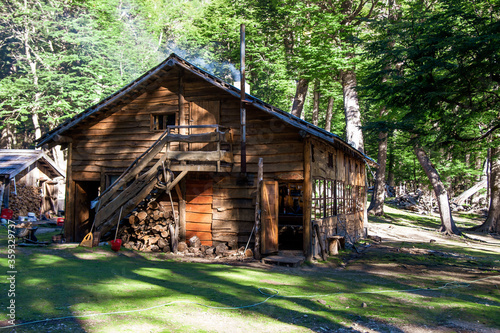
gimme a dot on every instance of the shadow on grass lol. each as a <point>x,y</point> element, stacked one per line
<point>54,283</point>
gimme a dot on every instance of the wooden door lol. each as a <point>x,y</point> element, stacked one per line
<point>269,217</point>
<point>204,113</point>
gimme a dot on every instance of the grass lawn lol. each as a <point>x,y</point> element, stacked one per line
<point>389,287</point>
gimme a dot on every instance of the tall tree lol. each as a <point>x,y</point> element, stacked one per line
<point>59,57</point>
<point>447,224</point>
<point>492,223</point>
<point>377,203</point>
<point>446,87</point>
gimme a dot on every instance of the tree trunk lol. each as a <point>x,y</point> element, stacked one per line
<point>329,112</point>
<point>315,113</point>
<point>492,223</point>
<point>58,156</point>
<point>377,203</point>
<point>7,138</point>
<point>300,97</point>
<point>33,66</point>
<point>447,224</point>
<point>354,135</point>
<point>390,174</point>
<point>460,199</point>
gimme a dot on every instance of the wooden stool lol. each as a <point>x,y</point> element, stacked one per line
<point>334,243</point>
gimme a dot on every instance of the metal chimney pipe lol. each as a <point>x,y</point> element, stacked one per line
<point>243,115</point>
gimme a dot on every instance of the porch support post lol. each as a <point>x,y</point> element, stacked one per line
<point>307,197</point>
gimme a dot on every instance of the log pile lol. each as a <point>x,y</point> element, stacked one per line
<point>193,248</point>
<point>424,204</point>
<point>28,199</point>
<point>149,229</point>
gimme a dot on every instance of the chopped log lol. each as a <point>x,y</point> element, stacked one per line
<point>133,219</point>
<point>142,215</point>
<point>153,205</point>
<point>162,243</point>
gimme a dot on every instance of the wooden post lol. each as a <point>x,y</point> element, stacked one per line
<point>182,209</point>
<point>260,176</point>
<point>69,207</point>
<point>307,197</point>
<point>242,103</point>
<point>6,193</point>
<point>2,186</point>
<point>182,112</point>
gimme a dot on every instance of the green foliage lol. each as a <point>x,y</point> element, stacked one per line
<point>435,70</point>
<point>61,58</point>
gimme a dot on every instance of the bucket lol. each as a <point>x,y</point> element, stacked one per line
<point>116,244</point>
<point>7,214</point>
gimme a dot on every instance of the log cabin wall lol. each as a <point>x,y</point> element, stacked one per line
<point>217,207</point>
<point>102,151</point>
<point>111,145</point>
<point>338,179</point>
<point>281,148</point>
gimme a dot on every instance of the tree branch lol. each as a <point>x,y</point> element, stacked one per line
<point>479,138</point>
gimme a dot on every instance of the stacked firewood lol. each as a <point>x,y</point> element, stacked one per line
<point>149,229</point>
<point>194,248</point>
<point>26,199</point>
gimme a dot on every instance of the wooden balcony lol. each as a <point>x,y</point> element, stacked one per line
<point>205,151</point>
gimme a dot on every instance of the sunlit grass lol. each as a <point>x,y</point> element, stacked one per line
<point>78,281</point>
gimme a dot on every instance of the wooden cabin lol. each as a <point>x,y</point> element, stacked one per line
<point>181,120</point>
<point>22,168</point>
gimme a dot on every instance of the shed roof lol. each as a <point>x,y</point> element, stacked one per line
<point>139,86</point>
<point>14,161</point>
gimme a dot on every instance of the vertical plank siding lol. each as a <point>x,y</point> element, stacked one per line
<point>199,197</point>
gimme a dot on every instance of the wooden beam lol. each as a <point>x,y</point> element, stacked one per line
<point>260,177</point>
<point>201,156</point>
<point>307,197</point>
<point>69,224</point>
<point>2,186</point>
<point>182,109</point>
<point>176,180</point>
<point>197,138</point>
<point>199,168</point>
<point>181,193</point>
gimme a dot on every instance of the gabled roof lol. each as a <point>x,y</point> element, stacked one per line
<point>139,86</point>
<point>14,161</point>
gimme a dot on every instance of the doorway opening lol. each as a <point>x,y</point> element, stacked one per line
<point>86,191</point>
<point>290,217</point>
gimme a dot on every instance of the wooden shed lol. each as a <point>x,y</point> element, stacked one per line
<point>197,128</point>
<point>30,168</point>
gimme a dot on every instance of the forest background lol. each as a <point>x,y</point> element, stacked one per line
<point>415,83</point>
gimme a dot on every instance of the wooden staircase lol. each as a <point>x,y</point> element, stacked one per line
<point>140,178</point>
